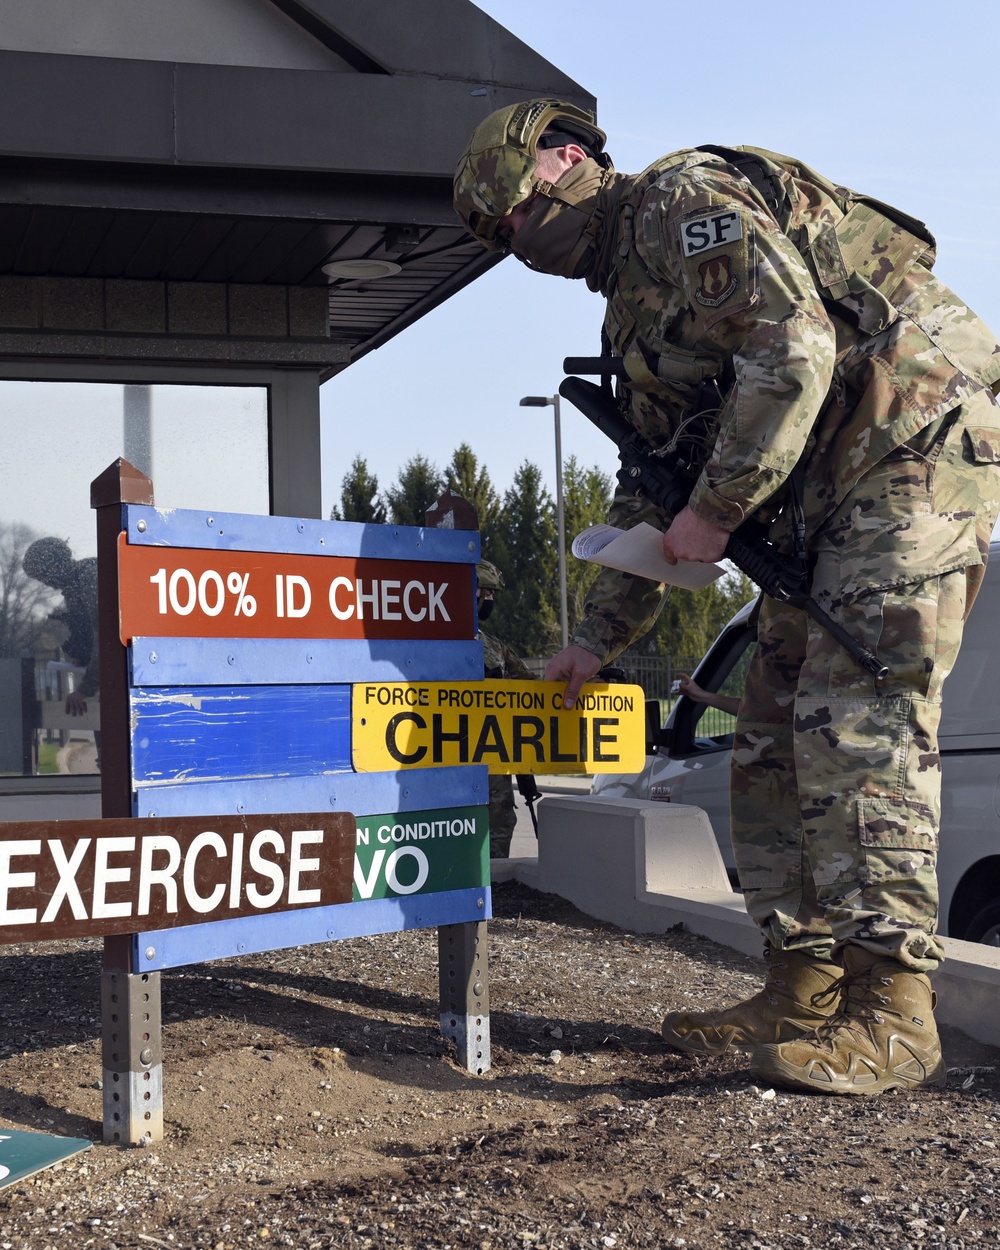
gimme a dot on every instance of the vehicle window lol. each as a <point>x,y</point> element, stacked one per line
<point>717,723</point>
<point>697,727</point>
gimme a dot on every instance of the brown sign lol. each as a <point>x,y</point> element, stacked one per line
<point>182,592</point>
<point>92,878</point>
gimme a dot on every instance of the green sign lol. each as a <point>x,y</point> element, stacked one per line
<point>24,1154</point>
<point>421,852</point>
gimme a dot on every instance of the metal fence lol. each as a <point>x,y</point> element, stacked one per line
<point>655,673</point>
<point>714,723</point>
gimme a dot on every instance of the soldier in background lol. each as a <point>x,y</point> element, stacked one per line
<point>854,416</point>
<point>499,661</point>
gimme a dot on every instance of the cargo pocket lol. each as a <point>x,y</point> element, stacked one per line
<point>899,843</point>
<point>871,556</point>
<point>981,446</point>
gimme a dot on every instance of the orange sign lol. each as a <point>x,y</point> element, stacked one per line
<point>184,592</point>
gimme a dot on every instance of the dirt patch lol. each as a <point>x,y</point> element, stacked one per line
<point>311,1101</point>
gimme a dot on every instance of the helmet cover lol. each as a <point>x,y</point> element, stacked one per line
<point>488,576</point>
<point>497,170</point>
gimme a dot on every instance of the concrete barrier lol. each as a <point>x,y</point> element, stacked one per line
<point>968,989</point>
<point>643,866</point>
<point>649,866</point>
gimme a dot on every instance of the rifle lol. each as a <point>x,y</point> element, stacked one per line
<point>644,473</point>
<point>528,788</point>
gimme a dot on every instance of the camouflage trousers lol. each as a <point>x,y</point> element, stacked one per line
<point>836,777</point>
<point>503,817</point>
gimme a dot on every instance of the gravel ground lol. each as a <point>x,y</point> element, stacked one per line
<point>311,1102</point>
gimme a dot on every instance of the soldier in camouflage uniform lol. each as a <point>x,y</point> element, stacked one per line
<point>498,661</point>
<point>856,417</point>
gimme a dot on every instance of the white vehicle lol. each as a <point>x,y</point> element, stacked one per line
<point>690,761</point>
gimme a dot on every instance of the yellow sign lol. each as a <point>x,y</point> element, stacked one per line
<point>511,726</point>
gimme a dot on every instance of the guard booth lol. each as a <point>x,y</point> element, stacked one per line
<point>207,211</point>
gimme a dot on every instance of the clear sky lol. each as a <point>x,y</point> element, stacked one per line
<point>896,98</point>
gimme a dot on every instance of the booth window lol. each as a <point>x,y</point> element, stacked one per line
<point>203,447</point>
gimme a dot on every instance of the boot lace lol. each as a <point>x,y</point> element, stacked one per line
<point>860,1002</point>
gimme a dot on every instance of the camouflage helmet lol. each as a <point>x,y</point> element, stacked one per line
<point>488,576</point>
<point>497,169</point>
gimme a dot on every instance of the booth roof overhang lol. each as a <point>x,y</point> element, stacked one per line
<point>129,167</point>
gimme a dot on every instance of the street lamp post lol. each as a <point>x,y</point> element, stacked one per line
<point>552,401</point>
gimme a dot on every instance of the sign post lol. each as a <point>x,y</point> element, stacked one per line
<point>131,1019</point>
<point>463,971</point>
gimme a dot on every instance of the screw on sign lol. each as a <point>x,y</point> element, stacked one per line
<point>182,592</point>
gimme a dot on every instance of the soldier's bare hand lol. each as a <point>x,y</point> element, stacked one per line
<point>575,665</point>
<point>691,538</point>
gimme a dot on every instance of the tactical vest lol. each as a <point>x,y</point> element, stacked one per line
<point>858,251</point>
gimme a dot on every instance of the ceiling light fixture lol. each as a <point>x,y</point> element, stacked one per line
<point>368,270</point>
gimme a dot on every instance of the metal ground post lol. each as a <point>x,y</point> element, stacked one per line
<point>463,978</point>
<point>463,967</point>
<point>131,1049</point>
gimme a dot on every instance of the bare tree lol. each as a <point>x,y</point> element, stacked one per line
<point>24,603</point>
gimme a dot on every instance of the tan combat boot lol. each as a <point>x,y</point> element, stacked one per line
<point>883,1035</point>
<point>797,997</point>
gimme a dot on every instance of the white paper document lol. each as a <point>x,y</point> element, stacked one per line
<point>640,550</point>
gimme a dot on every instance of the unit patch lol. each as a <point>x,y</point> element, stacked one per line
<point>713,230</point>
<point>717,281</point>
<point>718,259</point>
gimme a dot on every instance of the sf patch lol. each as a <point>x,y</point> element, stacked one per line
<point>718,281</point>
<point>701,234</point>
<point>718,258</point>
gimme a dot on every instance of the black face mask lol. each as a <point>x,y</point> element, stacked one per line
<point>485,608</point>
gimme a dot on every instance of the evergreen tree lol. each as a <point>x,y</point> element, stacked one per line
<point>466,478</point>
<point>526,615</point>
<point>418,487</point>
<point>586,498</point>
<point>359,498</point>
